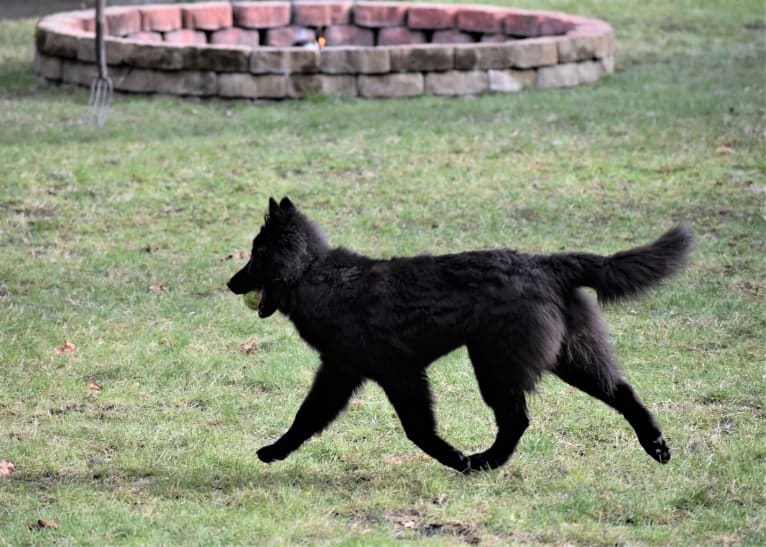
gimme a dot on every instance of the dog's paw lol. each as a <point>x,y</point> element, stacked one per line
<point>657,449</point>
<point>482,461</point>
<point>271,453</point>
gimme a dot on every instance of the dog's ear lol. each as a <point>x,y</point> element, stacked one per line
<point>286,204</point>
<point>273,208</point>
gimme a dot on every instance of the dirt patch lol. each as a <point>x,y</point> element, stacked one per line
<point>413,522</point>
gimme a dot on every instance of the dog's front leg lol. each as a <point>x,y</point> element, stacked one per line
<point>329,394</point>
<point>411,396</point>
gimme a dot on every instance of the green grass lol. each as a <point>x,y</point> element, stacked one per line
<point>164,453</point>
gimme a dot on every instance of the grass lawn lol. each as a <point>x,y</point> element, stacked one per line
<point>117,242</point>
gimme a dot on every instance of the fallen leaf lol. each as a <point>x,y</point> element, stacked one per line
<point>237,255</point>
<point>42,523</point>
<point>249,347</point>
<point>441,499</point>
<point>66,347</point>
<point>6,468</point>
<point>93,386</point>
<point>160,287</point>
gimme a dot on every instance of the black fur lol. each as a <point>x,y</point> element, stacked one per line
<point>386,320</point>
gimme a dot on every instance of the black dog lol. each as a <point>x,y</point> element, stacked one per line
<point>519,315</point>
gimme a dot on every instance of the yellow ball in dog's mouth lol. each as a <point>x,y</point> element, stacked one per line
<point>252,299</point>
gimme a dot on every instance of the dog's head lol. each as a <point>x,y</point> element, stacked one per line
<point>286,245</point>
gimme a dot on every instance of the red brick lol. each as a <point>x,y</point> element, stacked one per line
<point>551,25</point>
<point>379,14</point>
<point>434,17</point>
<point>522,24</point>
<point>322,13</point>
<point>186,37</point>
<point>289,36</point>
<point>349,35</point>
<point>79,20</point>
<point>207,15</point>
<point>122,21</point>
<point>88,24</point>
<point>451,36</point>
<point>394,36</point>
<point>235,36</point>
<point>160,18</point>
<point>145,36</point>
<point>480,19</point>
<point>66,21</point>
<point>262,14</point>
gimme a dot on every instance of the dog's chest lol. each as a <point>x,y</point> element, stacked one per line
<point>323,308</point>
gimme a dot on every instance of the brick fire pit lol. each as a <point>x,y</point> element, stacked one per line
<point>286,50</point>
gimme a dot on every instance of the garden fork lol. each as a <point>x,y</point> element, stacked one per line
<point>101,88</point>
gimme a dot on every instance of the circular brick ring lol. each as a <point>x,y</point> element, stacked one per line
<point>286,50</point>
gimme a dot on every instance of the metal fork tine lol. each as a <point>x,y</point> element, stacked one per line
<point>101,89</point>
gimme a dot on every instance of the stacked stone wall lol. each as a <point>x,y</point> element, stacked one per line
<point>271,49</point>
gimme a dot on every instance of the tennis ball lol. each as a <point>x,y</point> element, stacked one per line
<point>252,299</point>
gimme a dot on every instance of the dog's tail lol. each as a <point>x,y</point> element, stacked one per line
<point>627,273</point>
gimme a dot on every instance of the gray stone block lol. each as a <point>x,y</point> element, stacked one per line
<point>511,81</point>
<point>565,75</point>
<point>186,82</point>
<point>270,60</point>
<point>422,58</point>
<point>355,60</point>
<point>533,52</point>
<point>47,67</point>
<point>457,82</point>
<point>391,85</point>
<point>321,85</point>
<point>269,86</point>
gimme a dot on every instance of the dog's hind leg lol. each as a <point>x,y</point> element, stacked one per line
<point>505,396</point>
<point>587,362</point>
<point>329,394</point>
<point>410,395</point>
<point>622,398</point>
